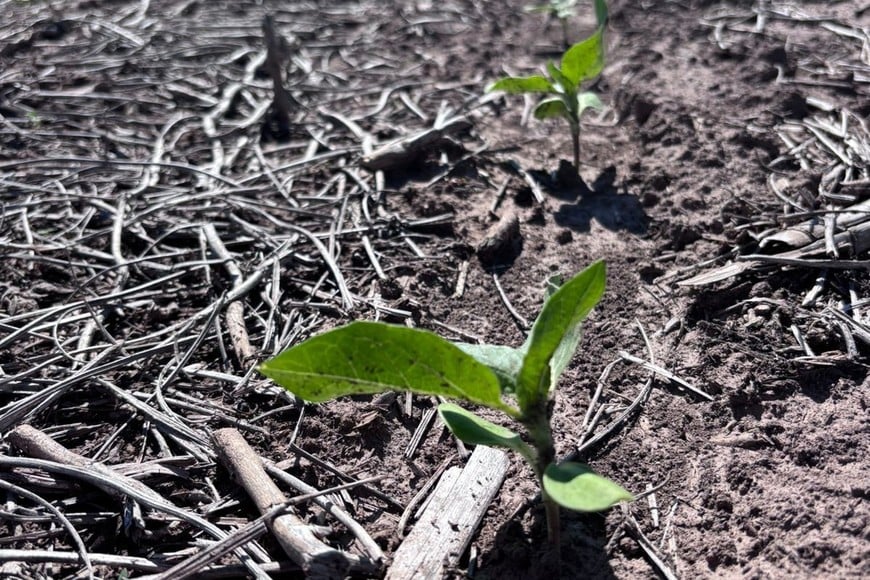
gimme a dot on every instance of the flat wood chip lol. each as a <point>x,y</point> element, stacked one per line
<point>444,530</point>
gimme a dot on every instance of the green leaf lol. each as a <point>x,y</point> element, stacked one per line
<point>474,430</point>
<point>556,333</point>
<point>519,85</point>
<point>563,83</point>
<point>584,60</point>
<point>601,12</point>
<point>504,361</point>
<point>576,487</point>
<point>588,100</point>
<point>564,353</point>
<point>371,357</point>
<point>549,108</point>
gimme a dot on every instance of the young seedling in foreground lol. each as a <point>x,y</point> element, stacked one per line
<point>370,357</point>
<point>582,62</point>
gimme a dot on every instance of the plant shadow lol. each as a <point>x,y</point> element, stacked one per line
<point>602,202</point>
<point>521,552</point>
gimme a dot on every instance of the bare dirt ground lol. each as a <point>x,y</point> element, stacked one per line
<point>141,158</point>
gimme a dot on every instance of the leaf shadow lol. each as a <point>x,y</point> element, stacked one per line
<point>603,203</point>
<point>520,551</point>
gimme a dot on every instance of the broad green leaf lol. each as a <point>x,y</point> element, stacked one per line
<point>553,284</point>
<point>563,83</point>
<point>474,430</point>
<point>601,12</point>
<point>371,357</point>
<point>519,85</point>
<point>564,353</point>
<point>576,487</point>
<point>556,332</point>
<point>588,100</point>
<point>504,361</point>
<point>584,60</point>
<point>566,349</point>
<point>549,108</point>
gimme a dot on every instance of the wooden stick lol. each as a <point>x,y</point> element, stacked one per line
<point>235,313</point>
<point>200,562</point>
<point>405,150</point>
<point>362,536</point>
<point>37,444</point>
<point>295,536</point>
<point>275,50</point>
<point>446,527</point>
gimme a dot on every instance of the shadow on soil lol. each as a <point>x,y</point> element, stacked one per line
<point>521,552</point>
<point>602,202</point>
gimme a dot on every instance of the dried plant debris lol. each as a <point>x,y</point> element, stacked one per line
<point>818,217</point>
<point>182,194</point>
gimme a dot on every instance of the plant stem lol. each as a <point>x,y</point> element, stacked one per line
<point>554,531</point>
<point>538,424</point>
<point>575,140</point>
<point>547,456</point>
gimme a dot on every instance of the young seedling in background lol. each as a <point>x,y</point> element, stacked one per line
<point>370,357</point>
<point>562,10</point>
<point>581,62</point>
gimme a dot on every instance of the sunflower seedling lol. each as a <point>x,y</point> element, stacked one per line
<point>561,85</point>
<point>370,357</point>
<point>561,10</point>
